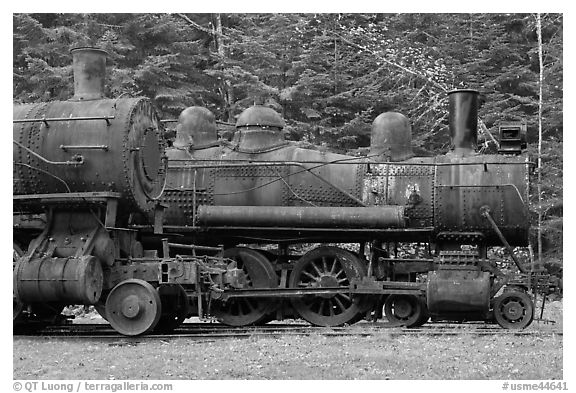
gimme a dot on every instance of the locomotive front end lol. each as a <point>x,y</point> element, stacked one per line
<point>84,166</point>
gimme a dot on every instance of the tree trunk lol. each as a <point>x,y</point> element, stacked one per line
<point>227,89</point>
<point>541,79</point>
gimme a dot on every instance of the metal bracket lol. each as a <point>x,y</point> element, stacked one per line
<point>111,212</point>
<point>159,218</point>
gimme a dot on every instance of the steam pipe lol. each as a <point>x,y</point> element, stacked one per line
<point>375,217</point>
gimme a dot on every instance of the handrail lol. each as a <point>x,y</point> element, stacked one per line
<point>78,159</point>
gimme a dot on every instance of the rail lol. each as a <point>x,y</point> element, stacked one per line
<point>210,331</point>
<point>355,160</point>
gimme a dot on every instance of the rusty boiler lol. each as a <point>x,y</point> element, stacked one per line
<point>258,168</point>
<point>243,183</point>
<point>90,143</point>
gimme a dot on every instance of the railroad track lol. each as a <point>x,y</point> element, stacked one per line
<point>212,331</point>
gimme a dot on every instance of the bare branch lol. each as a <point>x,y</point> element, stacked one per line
<point>206,30</point>
<point>485,131</point>
<point>110,26</point>
<point>408,70</point>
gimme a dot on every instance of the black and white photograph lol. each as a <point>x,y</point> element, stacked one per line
<point>287,196</point>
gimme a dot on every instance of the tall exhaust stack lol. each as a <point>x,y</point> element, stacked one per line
<point>463,120</point>
<point>89,65</point>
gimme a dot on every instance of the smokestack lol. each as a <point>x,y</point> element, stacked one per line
<point>463,120</point>
<point>89,65</point>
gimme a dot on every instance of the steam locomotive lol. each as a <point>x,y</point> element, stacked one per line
<point>107,214</point>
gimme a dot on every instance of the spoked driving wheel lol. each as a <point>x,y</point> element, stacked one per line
<point>327,267</point>
<point>133,307</point>
<point>259,274</point>
<point>406,310</point>
<point>513,310</point>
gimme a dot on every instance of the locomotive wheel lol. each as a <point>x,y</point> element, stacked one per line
<point>17,306</point>
<point>133,307</point>
<point>365,303</point>
<point>259,274</point>
<point>17,310</point>
<point>513,310</point>
<point>100,306</point>
<point>405,310</point>
<point>174,307</point>
<point>424,314</point>
<point>327,267</point>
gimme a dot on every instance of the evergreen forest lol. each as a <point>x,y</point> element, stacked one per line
<point>329,75</point>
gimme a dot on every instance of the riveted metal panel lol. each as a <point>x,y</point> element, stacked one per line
<point>472,182</point>
<point>181,205</point>
<point>319,182</point>
<point>318,193</point>
<point>375,185</point>
<point>458,208</point>
<point>248,185</point>
<point>394,184</point>
<point>410,170</point>
<point>406,180</point>
<point>183,179</point>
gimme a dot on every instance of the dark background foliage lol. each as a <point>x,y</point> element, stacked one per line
<point>329,75</point>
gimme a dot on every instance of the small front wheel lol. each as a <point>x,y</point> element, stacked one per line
<point>406,310</point>
<point>513,310</point>
<point>133,307</point>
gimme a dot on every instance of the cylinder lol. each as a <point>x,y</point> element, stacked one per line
<point>65,280</point>
<point>89,66</point>
<point>391,137</point>
<point>464,293</point>
<point>380,217</point>
<point>463,120</point>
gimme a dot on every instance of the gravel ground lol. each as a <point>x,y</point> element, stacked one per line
<point>381,355</point>
<point>288,357</point>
